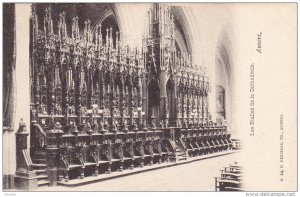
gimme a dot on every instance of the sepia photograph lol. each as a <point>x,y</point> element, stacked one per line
<point>149,97</point>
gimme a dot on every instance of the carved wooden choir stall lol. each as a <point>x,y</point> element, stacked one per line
<point>231,178</point>
<point>98,106</point>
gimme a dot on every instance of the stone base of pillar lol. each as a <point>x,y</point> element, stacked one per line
<point>9,153</point>
<point>52,176</point>
<point>26,181</point>
<point>8,181</point>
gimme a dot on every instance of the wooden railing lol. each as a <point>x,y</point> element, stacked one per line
<point>37,138</point>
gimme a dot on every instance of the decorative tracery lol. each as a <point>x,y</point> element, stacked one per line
<point>95,77</point>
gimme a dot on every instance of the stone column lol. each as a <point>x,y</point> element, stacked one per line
<point>9,153</point>
<point>9,90</point>
<point>24,178</point>
<point>212,93</point>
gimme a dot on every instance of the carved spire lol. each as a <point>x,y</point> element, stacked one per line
<point>117,41</point>
<point>87,32</point>
<point>97,37</point>
<point>35,29</point>
<point>62,27</point>
<point>110,38</point>
<point>34,19</point>
<point>107,41</point>
<point>90,35</point>
<point>100,35</point>
<point>48,22</point>
<point>75,29</point>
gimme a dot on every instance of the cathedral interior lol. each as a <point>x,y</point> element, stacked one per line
<point>113,87</point>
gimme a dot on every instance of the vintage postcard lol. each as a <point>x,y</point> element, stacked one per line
<point>150,97</point>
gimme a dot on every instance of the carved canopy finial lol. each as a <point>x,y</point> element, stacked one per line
<point>22,126</point>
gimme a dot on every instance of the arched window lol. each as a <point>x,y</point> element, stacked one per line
<point>224,76</point>
<point>220,102</point>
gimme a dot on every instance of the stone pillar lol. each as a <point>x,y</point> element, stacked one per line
<point>9,157</point>
<point>24,178</point>
<point>9,91</point>
<point>212,92</point>
<point>22,65</point>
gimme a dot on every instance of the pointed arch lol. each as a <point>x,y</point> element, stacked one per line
<point>223,61</point>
